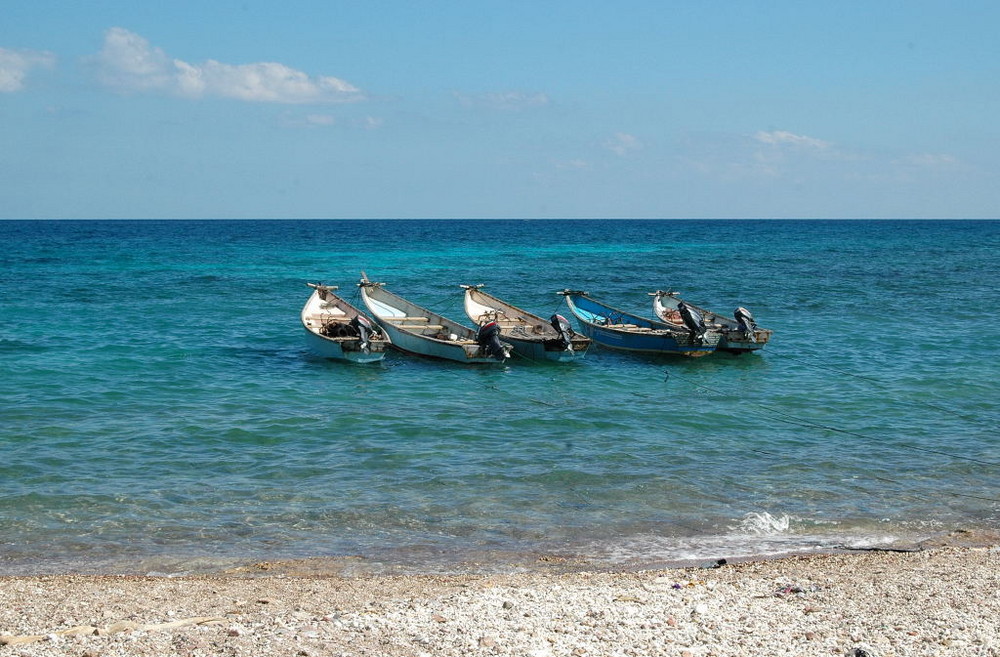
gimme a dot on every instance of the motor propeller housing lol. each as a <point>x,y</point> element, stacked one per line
<point>365,329</point>
<point>693,321</point>
<point>564,329</point>
<point>746,323</point>
<point>488,338</point>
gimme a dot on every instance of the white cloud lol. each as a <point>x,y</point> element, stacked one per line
<point>785,158</point>
<point>623,143</point>
<point>505,100</point>
<point>296,120</point>
<point>128,63</point>
<point>292,119</point>
<point>15,64</point>
<point>928,160</point>
<point>320,119</point>
<point>782,137</point>
<point>764,156</point>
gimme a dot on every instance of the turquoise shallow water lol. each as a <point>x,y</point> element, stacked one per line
<point>158,408</point>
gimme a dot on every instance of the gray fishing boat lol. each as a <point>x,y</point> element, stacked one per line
<point>532,337</point>
<point>417,330</point>
<point>335,329</point>
<point>740,333</point>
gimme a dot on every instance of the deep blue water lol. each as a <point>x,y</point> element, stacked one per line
<point>159,410</point>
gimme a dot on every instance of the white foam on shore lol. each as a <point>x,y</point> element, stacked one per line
<point>757,534</point>
<point>764,523</point>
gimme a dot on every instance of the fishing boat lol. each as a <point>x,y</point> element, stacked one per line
<point>618,329</point>
<point>531,336</point>
<point>417,330</point>
<point>336,329</point>
<point>740,333</point>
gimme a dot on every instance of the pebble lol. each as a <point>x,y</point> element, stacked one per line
<point>863,597</point>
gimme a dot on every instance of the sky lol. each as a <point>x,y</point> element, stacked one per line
<point>488,109</point>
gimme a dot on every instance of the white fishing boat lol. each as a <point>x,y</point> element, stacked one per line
<point>740,333</point>
<point>417,330</point>
<point>531,336</point>
<point>336,329</point>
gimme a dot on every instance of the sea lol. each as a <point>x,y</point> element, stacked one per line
<point>160,412</point>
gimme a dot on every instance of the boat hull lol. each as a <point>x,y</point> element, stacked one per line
<point>617,329</point>
<point>325,318</point>
<point>532,337</point>
<point>735,343</point>
<point>418,331</point>
<point>734,340</point>
<point>460,352</point>
<point>544,350</point>
<point>622,341</point>
<point>334,349</point>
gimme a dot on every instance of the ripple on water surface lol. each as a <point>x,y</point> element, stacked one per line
<point>196,425</point>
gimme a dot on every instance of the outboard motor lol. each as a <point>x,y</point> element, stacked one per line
<point>693,321</point>
<point>565,331</point>
<point>365,330</point>
<point>746,323</point>
<point>488,338</point>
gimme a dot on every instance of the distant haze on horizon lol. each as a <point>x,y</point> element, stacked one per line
<point>515,110</point>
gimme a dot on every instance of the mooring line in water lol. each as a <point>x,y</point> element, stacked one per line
<point>882,385</point>
<point>760,451</point>
<point>975,497</point>
<point>496,388</point>
<point>816,425</point>
<point>785,354</point>
<point>893,481</point>
<point>827,427</point>
<point>901,486</point>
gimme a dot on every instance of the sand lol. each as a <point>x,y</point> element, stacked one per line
<point>940,601</point>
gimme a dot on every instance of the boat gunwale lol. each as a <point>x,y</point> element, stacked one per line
<point>548,333</point>
<point>730,330</point>
<point>432,317</point>
<point>371,291</point>
<point>534,342</point>
<point>663,335</point>
<point>664,327</point>
<point>377,342</point>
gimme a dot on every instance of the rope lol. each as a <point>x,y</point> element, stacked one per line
<point>882,386</point>
<point>797,421</point>
<point>816,425</point>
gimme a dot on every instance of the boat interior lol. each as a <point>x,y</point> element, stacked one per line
<point>605,322</point>
<point>511,324</point>
<point>483,313</point>
<point>428,325</point>
<point>321,314</point>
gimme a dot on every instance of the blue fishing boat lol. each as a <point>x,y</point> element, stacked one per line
<point>335,329</point>
<point>531,336</point>
<point>618,329</point>
<point>416,330</point>
<point>740,333</point>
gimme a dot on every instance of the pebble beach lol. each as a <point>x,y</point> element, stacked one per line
<point>942,600</point>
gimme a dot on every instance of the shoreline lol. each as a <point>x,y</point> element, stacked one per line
<point>433,562</point>
<point>938,600</point>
